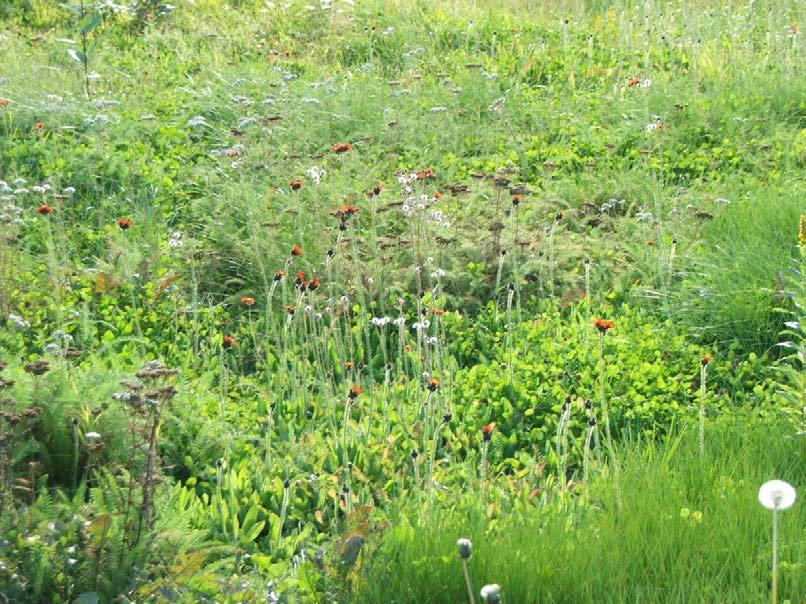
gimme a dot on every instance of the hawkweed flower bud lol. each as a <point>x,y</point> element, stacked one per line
<point>464,546</point>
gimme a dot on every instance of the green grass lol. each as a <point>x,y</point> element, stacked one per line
<point>310,417</point>
<point>690,530</point>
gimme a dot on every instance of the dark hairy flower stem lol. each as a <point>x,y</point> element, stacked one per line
<point>606,419</point>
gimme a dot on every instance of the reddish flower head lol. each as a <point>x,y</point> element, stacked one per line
<point>295,185</point>
<point>377,189</point>
<point>603,325</point>
<point>487,431</point>
<point>706,358</point>
<point>124,223</point>
<point>354,392</point>
<point>290,310</point>
<point>433,384</point>
<point>342,147</point>
<point>278,275</point>
<point>40,125</point>
<point>437,195</point>
<point>633,82</point>
<point>516,199</point>
<point>296,251</point>
<point>3,102</point>
<point>248,301</point>
<point>229,341</point>
<point>44,210</point>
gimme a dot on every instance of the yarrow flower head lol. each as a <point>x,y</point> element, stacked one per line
<point>602,325</point>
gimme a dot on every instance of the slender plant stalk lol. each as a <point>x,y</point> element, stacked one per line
<point>468,583</point>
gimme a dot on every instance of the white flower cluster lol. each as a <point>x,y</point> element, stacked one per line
<point>175,239</point>
<point>381,321</point>
<point>316,174</point>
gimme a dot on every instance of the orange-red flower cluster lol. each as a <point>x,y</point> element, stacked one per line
<point>3,102</point>
<point>633,82</point>
<point>377,189</point>
<point>342,147</point>
<point>124,223</point>
<point>296,251</point>
<point>295,185</point>
<point>706,358</point>
<point>229,341</point>
<point>516,199</point>
<point>278,275</point>
<point>354,392</point>
<point>602,325</point>
<point>425,173</point>
<point>433,384</point>
<point>248,301</point>
<point>44,210</point>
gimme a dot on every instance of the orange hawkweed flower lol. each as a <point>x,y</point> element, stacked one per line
<point>3,102</point>
<point>295,185</point>
<point>229,341</point>
<point>124,223</point>
<point>296,251</point>
<point>377,189</point>
<point>354,392</point>
<point>231,153</point>
<point>279,275</point>
<point>560,215</point>
<point>650,242</point>
<point>433,384</point>
<point>436,311</point>
<point>349,364</point>
<point>487,431</point>
<point>706,358</point>
<point>516,199</point>
<point>437,195</point>
<point>602,325</point>
<point>40,125</point>
<point>407,347</point>
<point>44,210</point>
<point>300,277</point>
<point>793,27</point>
<point>633,82</point>
<point>342,147</point>
<point>290,310</point>
<point>312,285</point>
<point>248,301</point>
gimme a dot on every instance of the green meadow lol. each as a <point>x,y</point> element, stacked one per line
<point>294,297</point>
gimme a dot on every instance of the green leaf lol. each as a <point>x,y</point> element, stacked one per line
<point>76,55</point>
<point>90,22</point>
<point>88,597</point>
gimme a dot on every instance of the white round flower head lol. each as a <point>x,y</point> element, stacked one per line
<point>491,593</point>
<point>92,436</point>
<point>776,494</point>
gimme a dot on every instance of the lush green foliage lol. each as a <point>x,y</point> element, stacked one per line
<point>353,253</point>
